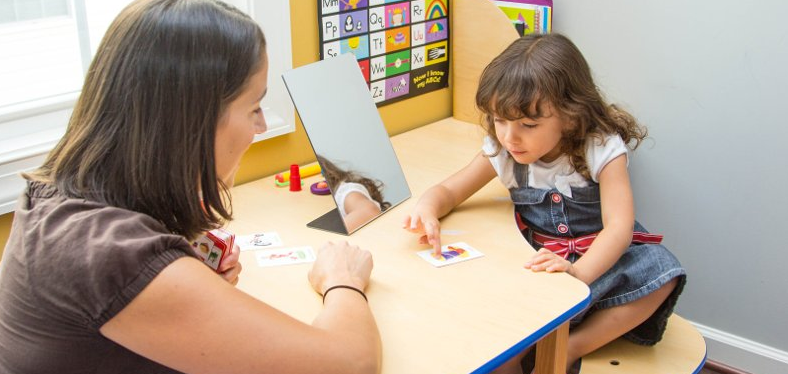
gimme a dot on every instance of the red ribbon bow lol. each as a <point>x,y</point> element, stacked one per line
<point>566,246</point>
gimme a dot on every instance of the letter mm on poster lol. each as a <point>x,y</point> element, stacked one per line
<point>402,47</point>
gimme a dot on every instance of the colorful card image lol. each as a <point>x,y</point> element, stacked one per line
<point>397,63</point>
<point>357,45</point>
<point>263,240</point>
<point>397,86</point>
<point>353,23</point>
<point>397,14</point>
<point>437,30</point>
<point>436,9</point>
<point>352,4</point>
<point>284,256</point>
<point>528,16</point>
<point>437,52</point>
<point>450,254</point>
<point>397,39</point>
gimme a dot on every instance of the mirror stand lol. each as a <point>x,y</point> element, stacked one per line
<point>331,221</point>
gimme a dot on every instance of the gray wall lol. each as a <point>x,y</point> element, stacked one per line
<point>709,78</point>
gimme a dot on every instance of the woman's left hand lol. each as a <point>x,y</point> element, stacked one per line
<point>546,260</point>
<point>230,268</point>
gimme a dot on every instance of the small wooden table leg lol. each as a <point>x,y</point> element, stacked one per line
<point>551,351</point>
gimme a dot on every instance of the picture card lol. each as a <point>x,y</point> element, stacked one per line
<point>284,256</point>
<point>450,254</point>
<point>261,240</point>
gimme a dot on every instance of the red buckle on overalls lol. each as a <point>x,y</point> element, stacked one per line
<point>566,246</point>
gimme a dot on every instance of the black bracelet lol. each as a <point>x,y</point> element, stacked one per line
<point>344,286</point>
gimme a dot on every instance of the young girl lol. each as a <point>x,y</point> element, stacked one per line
<point>99,275</point>
<point>562,152</point>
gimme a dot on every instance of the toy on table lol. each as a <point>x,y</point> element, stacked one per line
<point>295,178</point>
<point>320,188</point>
<point>283,179</point>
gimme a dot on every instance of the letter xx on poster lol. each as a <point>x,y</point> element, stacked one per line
<point>402,47</point>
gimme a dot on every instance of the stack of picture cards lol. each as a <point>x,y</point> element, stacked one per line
<point>213,247</point>
<point>450,254</point>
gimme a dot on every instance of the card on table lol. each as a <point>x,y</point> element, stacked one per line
<point>450,254</point>
<point>285,256</point>
<point>258,241</point>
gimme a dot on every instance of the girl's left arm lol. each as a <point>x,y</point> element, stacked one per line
<point>618,220</point>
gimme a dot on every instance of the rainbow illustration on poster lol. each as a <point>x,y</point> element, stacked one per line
<point>437,27</point>
<point>436,9</point>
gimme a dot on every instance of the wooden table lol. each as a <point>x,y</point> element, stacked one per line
<point>465,318</point>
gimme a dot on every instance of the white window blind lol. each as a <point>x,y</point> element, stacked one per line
<point>45,48</point>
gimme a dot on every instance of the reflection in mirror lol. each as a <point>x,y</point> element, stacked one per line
<point>346,132</point>
<point>359,198</point>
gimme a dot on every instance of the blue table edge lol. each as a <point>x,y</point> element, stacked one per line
<point>533,338</point>
<point>702,362</point>
<point>542,332</point>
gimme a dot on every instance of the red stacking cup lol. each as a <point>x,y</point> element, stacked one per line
<point>295,178</point>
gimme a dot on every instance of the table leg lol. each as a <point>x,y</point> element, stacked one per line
<point>551,351</point>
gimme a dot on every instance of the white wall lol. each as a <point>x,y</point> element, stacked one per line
<point>709,78</point>
<point>274,19</point>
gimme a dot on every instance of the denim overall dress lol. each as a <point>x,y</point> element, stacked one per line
<point>642,269</point>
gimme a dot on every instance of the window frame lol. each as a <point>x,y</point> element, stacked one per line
<point>32,129</point>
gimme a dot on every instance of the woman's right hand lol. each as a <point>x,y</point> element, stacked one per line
<point>427,225</point>
<point>340,263</point>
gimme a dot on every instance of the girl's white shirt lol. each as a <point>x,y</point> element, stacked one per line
<point>346,188</point>
<point>559,173</point>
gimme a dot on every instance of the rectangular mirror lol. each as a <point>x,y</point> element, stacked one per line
<point>352,146</point>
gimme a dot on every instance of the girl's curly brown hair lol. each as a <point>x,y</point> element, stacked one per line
<point>538,69</point>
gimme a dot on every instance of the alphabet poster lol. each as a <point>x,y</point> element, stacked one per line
<point>402,47</point>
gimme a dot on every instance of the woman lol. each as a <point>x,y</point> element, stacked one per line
<point>99,275</point>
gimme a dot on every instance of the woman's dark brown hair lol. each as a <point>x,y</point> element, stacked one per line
<point>334,176</point>
<point>142,133</point>
<point>548,68</point>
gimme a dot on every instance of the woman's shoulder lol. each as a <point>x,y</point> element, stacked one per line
<point>84,258</point>
<point>58,221</point>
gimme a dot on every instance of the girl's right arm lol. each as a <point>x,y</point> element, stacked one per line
<point>189,319</point>
<point>440,199</point>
